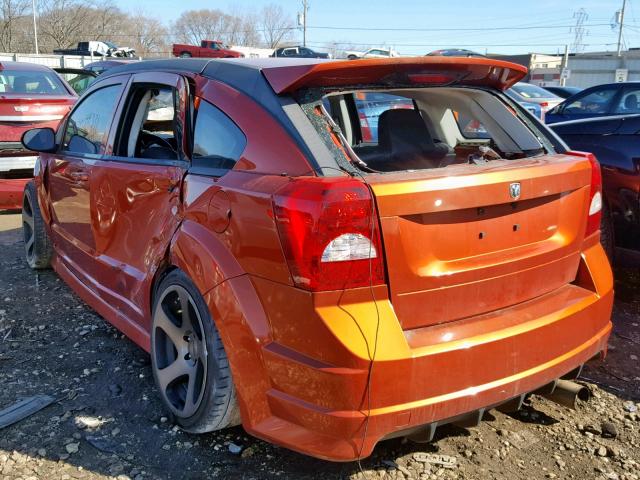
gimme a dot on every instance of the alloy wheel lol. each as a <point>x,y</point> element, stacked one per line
<point>180,351</point>
<point>28,229</point>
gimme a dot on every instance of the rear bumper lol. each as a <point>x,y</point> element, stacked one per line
<point>17,163</point>
<point>318,401</point>
<point>11,193</point>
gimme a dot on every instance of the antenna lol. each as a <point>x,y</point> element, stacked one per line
<point>579,31</point>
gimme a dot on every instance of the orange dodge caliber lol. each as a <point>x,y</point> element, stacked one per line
<point>327,289</point>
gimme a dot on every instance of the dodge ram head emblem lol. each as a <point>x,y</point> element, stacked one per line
<point>514,190</point>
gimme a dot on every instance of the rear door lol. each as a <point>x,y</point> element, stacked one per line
<point>83,142</point>
<point>136,190</point>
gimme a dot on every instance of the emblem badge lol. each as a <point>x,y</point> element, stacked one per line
<point>514,190</point>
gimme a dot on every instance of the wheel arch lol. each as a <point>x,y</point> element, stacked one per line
<point>235,308</point>
<point>202,256</point>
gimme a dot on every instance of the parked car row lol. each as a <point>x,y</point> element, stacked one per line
<point>312,232</point>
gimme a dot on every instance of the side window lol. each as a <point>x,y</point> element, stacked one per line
<point>214,46</point>
<point>370,105</point>
<point>592,103</point>
<point>629,102</point>
<point>88,126</point>
<point>149,129</point>
<point>217,141</point>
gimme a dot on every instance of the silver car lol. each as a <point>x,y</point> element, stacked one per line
<point>527,92</point>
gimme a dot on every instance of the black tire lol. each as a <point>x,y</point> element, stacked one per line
<point>351,57</point>
<point>185,55</point>
<point>187,355</point>
<point>37,245</point>
<point>607,234</point>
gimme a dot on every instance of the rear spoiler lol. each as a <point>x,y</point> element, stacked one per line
<point>394,71</point>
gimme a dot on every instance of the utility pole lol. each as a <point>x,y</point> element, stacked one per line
<point>621,24</point>
<point>305,7</point>
<point>565,64</point>
<point>35,26</point>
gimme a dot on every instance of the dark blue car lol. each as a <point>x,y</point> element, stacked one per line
<point>615,142</point>
<point>599,101</point>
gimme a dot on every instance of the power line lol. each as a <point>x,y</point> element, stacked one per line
<point>485,29</point>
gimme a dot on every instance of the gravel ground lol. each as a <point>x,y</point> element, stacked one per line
<point>107,421</point>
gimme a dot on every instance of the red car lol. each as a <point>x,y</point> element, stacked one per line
<point>30,96</point>
<point>325,291</point>
<point>207,49</point>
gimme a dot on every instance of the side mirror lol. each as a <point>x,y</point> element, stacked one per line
<point>39,139</point>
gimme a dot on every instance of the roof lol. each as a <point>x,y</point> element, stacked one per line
<point>24,66</point>
<point>111,62</point>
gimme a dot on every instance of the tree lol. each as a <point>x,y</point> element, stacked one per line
<point>64,23</point>
<point>193,26</point>
<point>10,35</point>
<point>147,35</point>
<point>276,26</point>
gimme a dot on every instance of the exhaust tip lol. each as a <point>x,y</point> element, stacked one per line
<point>568,393</point>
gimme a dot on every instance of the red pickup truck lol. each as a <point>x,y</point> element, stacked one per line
<point>207,48</point>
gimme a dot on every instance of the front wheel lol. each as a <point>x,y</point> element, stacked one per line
<point>189,362</point>
<point>37,246</point>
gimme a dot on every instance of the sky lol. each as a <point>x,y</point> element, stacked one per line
<point>418,27</point>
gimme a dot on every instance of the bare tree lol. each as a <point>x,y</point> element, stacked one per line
<point>10,33</point>
<point>61,22</point>
<point>64,23</point>
<point>147,35</point>
<point>276,26</point>
<point>193,26</point>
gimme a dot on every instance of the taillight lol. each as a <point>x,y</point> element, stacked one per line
<point>544,104</point>
<point>595,194</point>
<point>329,232</point>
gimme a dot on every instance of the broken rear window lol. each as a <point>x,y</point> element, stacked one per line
<point>423,128</point>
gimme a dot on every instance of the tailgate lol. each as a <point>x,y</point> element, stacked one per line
<point>461,245</point>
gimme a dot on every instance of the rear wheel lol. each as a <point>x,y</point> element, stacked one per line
<point>37,246</point>
<point>185,55</point>
<point>189,362</point>
<point>607,236</point>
